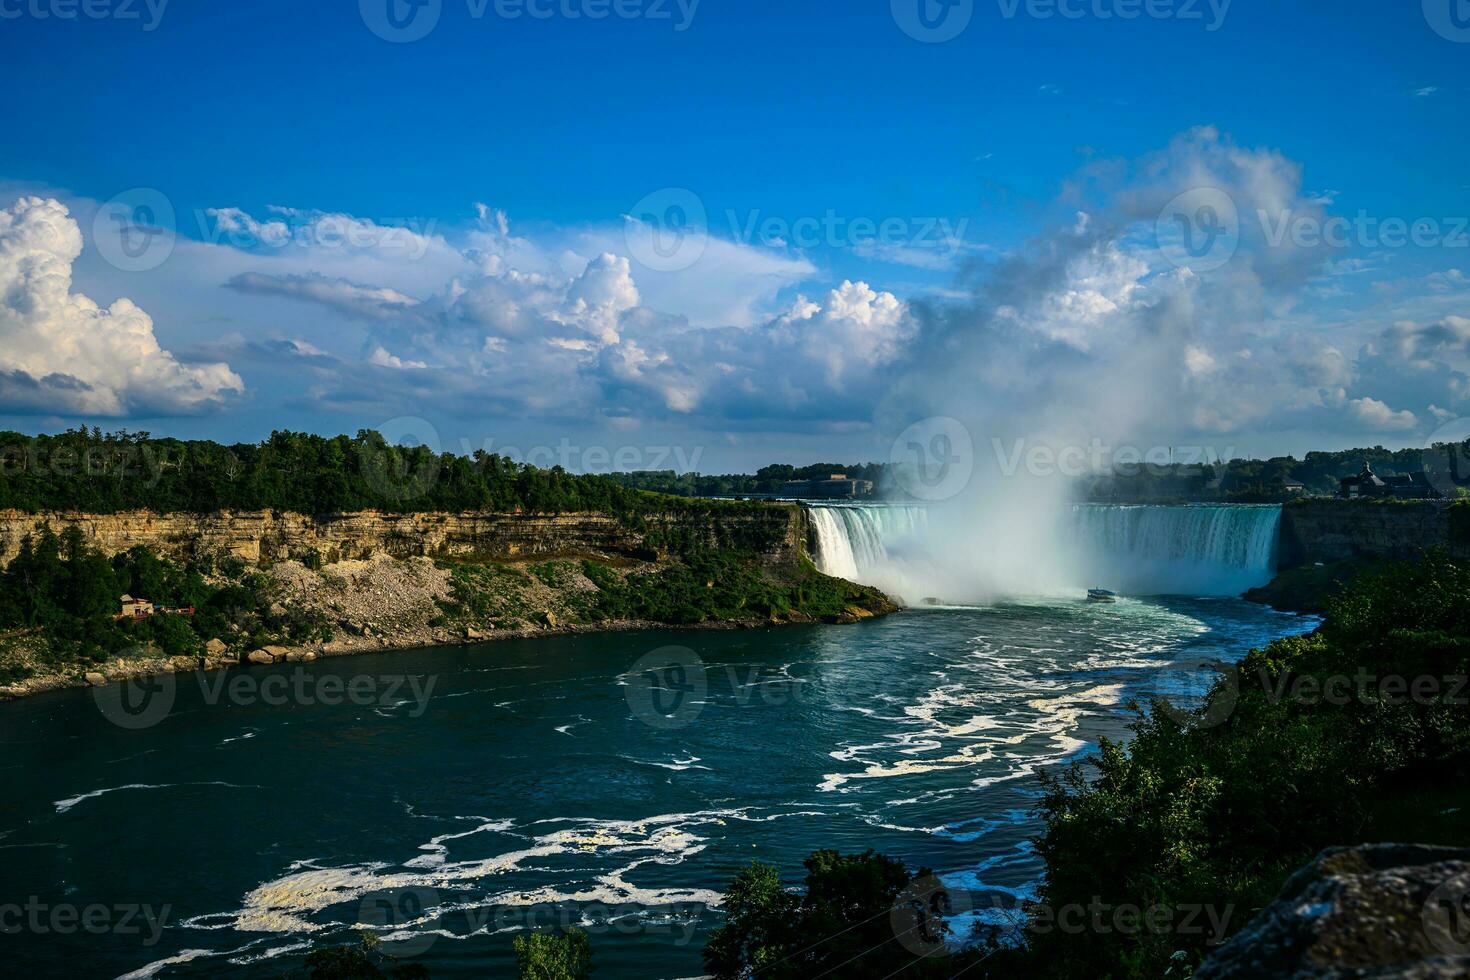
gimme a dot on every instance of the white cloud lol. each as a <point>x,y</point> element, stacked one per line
<point>1086,325</point>
<point>1378,417</point>
<point>354,299</point>
<point>64,353</point>
<point>382,358</point>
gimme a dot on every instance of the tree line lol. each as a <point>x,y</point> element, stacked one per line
<point>97,472</point>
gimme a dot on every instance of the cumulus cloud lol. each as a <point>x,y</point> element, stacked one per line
<point>1099,327</point>
<point>62,352</point>
<point>1379,417</point>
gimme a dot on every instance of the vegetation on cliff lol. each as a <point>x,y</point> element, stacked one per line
<point>710,586</point>
<point>59,607</point>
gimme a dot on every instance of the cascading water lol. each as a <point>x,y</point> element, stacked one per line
<point>1199,549</point>
<point>853,540</point>
<point>1206,550</point>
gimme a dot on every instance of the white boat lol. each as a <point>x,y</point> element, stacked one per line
<point>1101,595</point>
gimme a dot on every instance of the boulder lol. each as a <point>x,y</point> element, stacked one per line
<point>1376,910</point>
<point>301,656</point>
<point>260,657</point>
<point>473,634</point>
<point>215,647</point>
<point>277,651</point>
<point>95,679</point>
<point>549,618</point>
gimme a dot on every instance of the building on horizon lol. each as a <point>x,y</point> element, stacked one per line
<point>838,486</point>
<point>1368,485</point>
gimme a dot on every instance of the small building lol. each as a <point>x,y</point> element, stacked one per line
<point>1369,485</point>
<point>1365,484</point>
<point>837,486</point>
<point>135,608</point>
<point>1411,486</point>
<point>1294,488</point>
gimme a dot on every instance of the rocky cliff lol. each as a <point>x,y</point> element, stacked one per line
<point>1339,530</point>
<point>777,532</point>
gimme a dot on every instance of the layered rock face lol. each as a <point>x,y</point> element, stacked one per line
<point>778,532</point>
<point>1337,530</point>
<point>1378,910</point>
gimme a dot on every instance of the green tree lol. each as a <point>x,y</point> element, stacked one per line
<point>546,956</point>
<point>862,915</point>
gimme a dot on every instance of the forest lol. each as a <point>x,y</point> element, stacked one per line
<point>97,472</point>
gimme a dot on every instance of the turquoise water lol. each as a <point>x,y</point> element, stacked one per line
<point>465,794</point>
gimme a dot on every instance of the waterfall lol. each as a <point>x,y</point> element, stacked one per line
<point>1202,549</point>
<point>1209,550</point>
<point>853,540</point>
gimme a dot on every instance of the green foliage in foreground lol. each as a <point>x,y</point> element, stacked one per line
<point>366,961</point>
<point>862,915</point>
<point>546,956</point>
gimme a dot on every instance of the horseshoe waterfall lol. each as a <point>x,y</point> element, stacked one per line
<point>919,554</point>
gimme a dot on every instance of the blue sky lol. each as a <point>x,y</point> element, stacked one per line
<point>1020,165</point>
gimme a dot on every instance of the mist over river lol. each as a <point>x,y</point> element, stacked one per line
<point>472,792</point>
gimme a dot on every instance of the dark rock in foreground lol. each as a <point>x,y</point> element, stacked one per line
<point>1377,910</point>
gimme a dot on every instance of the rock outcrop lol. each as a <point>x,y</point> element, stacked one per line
<point>1339,530</point>
<point>1377,910</point>
<point>779,532</point>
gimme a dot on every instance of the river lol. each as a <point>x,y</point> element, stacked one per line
<point>450,798</point>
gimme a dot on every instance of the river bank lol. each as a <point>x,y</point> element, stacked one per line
<point>384,604</point>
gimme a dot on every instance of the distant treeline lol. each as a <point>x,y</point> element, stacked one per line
<point>1257,480</point>
<point>90,470</point>
<point>1240,480</point>
<point>767,479</point>
<point>97,472</point>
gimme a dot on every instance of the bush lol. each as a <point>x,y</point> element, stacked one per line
<point>846,924</point>
<point>544,956</point>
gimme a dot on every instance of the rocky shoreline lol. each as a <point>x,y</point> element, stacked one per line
<point>384,604</point>
<point>126,670</point>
